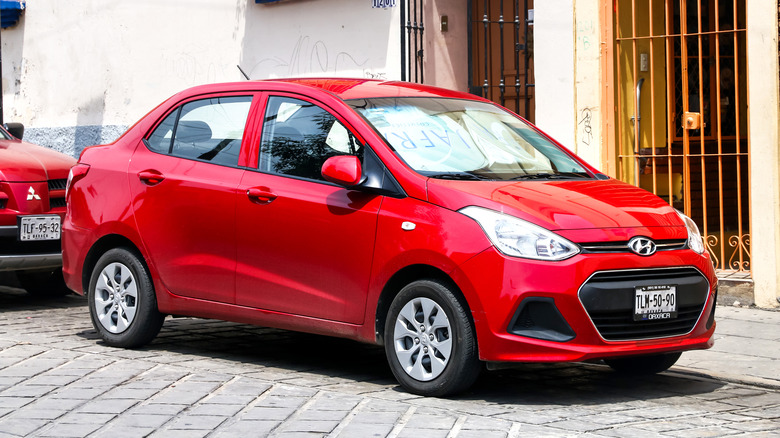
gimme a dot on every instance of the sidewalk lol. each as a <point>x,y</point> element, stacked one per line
<point>747,348</point>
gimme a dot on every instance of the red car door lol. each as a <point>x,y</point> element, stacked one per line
<point>304,245</point>
<point>184,180</point>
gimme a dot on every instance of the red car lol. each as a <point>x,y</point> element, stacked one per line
<point>32,206</point>
<point>431,221</point>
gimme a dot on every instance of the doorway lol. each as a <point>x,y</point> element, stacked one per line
<point>501,53</point>
<point>680,113</point>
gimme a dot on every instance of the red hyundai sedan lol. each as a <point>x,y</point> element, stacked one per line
<point>433,222</point>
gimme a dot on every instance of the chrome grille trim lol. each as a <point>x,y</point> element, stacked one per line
<point>622,247</point>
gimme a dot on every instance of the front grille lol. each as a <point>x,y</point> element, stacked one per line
<point>622,247</point>
<point>608,298</point>
<point>57,184</point>
<point>56,202</point>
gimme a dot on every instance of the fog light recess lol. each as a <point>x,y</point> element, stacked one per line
<point>538,318</point>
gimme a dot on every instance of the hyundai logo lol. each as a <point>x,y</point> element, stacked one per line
<point>642,246</point>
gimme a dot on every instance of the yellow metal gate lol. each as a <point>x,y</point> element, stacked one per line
<point>681,113</point>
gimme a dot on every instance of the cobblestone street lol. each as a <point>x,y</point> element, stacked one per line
<point>207,378</point>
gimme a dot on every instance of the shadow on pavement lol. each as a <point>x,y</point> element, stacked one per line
<point>14,299</point>
<point>300,358</point>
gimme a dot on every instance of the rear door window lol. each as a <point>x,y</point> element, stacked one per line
<point>205,130</point>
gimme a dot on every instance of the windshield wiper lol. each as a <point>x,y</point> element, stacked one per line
<point>457,175</point>
<point>559,175</point>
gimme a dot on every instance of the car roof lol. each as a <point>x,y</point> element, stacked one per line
<point>344,88</point>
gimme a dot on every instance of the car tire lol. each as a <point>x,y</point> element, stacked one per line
<point>43,283</point>
<point>643,365</point>
<point>122,302</point>
<point>429,340</point>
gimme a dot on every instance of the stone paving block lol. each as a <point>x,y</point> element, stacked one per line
<point>221,409</point>
<point>85,418</point>
<point>419,432</point>
<point>420,420</point>
<point>14,402</point>
<point>123,432</point>
<point>482,434</point>
<point>280,401</point>
<point>267,413</point>
<point>179,433</point>
<point>312,426</point>
<point>483,423</point>
<point>29,412</point>
<point>714,431</point>
<point>772,412</point>
<point>22,426</point>
<point>26,390</point>
<point>196,422</point>
<point>68,430</point>
<point>376,417</point>
<point>314,413</point>
<point>765,399</point>
<point>159,409</point>
<point>77,393</point>
<point>141,420</point>
<point>756,426</point>
<point>359,430</point>
<point>248,428</point>
<point>227,399</point>
<point>100,406</point>
<point>123,392</point>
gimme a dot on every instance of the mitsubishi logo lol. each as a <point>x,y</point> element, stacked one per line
<point>641,246</point>
<point>32,195</point>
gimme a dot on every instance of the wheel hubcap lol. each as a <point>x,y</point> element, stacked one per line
<point>422,339</point>
<point>116,297</point>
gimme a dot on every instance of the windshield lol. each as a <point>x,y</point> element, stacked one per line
<point>463,139</point>
<point>4,135</point>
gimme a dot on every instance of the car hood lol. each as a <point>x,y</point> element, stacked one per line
<point>21,161</point>
<point>561,205</point>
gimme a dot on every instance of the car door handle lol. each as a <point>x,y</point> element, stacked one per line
<point>260,195</point>
<point>150,177</point>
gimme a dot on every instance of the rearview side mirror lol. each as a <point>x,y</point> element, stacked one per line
<point>344,170</point>
<point>15,129</point>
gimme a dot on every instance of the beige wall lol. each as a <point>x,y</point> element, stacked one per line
<point>446,52</point>
<point>99,63</point>
<point>764,125</point>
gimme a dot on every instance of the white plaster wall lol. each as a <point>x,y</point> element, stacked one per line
<point>98,63</point>
<point>554,70</point>
<point>764,125</point>
<point>588,87</point>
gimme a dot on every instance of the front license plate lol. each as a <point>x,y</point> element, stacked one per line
<point>655,303</point>
<point>39,227</point>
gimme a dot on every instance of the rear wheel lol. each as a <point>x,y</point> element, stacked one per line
<point>43,283</point>
<point>122,302</point>
<point>429,340</point>
<point>643,365</point>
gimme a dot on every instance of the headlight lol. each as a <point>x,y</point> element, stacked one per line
<point>518,238</point>
<point>695,241</point>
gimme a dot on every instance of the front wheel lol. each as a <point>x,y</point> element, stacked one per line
<point>122,302</point>
<point>429,340</point>
<point>643,365</point>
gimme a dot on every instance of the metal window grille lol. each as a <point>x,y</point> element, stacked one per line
<point>412,31</point>
<point>501,53</point>
<point>681,113</point>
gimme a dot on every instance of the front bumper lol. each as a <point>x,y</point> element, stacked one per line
<point>506,287</point>
<point>20,256</point>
